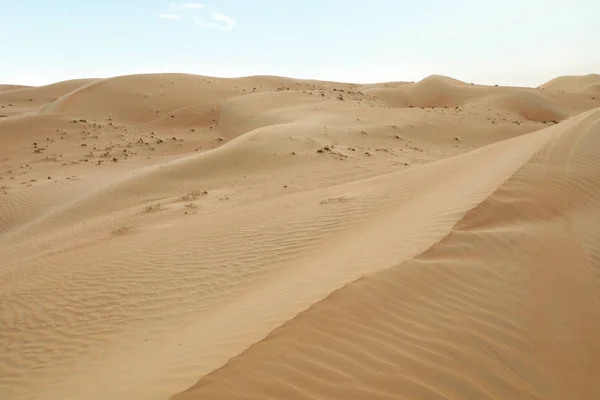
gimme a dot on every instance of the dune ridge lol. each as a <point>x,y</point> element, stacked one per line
<point>263,237</point>
<point>426,327</point>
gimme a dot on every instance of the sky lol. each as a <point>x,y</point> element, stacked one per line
<point>519,43</point>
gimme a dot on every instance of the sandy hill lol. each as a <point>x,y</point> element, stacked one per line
<point>189,237</point>
<point>588,84</point>
<point>11,87</point>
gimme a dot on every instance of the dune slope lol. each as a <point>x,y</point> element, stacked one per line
<point>192,237</point>
<point>467,318</point>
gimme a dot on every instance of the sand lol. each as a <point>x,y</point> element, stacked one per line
<point>188,237</point>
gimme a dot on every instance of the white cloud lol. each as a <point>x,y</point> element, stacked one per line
<point>170,16</point>
<point>203,24</point>
<point>219,21</point>
<point>229,23</point>
<point>186,6</point>
<point>215,21</point>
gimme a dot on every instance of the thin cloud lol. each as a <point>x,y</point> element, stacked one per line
<point>228,22</point>
<point>170,16</point>
<point>219,21</point>
<point>186,6</point>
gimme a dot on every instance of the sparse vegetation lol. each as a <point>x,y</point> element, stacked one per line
<point>193,195</point>
<point>153,207</point>
<point>52,158</point>
<point>335,200</point>
<point>124,230</point>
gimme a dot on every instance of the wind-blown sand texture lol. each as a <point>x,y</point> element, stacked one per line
<point>187,237</point>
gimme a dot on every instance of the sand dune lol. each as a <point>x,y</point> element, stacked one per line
<point>586,84</point>
<point>465,318</point>
<point>12,87</point>
<point>194,237</point>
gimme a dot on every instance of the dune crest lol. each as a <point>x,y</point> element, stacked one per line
<point>180,236</point>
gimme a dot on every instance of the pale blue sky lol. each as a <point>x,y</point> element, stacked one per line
<point>524,42</point>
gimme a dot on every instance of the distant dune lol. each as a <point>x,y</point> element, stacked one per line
<point>190,237</point>
<point>589,84</point>
<point>11,87</point>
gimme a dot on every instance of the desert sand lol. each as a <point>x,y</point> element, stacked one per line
<point>188,237</point>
